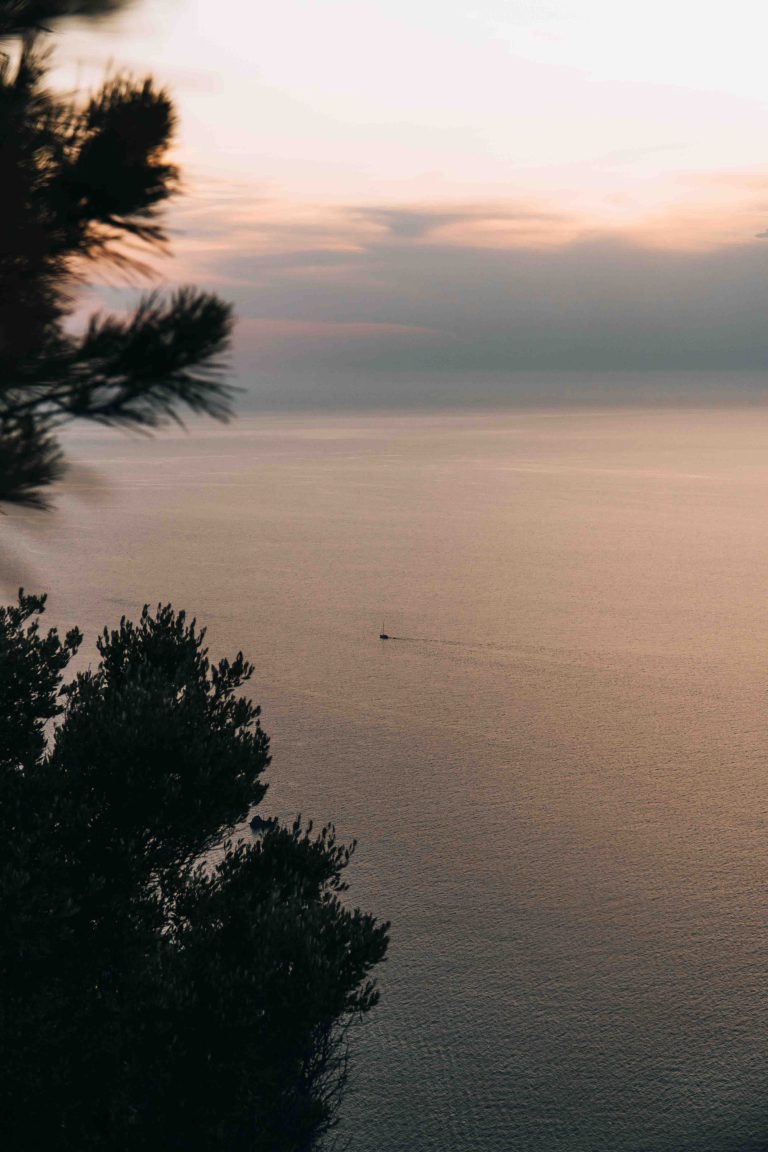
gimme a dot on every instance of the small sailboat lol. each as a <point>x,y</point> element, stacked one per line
<point>383,635</point>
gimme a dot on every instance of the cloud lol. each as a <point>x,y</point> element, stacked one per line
<point>416,223</point>
<point>439,323</point>
<point>350,302</point>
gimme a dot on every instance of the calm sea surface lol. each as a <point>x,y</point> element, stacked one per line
<point>557,773</point>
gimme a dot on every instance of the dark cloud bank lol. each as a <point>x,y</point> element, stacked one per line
<point>403,316</point>
<point>588,320</point>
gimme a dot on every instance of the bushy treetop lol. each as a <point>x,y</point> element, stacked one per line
<point>155,995</point>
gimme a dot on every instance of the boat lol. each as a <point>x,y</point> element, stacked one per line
<point>383,635</point>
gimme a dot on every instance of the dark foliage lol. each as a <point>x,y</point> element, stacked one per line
<point>160,986</point>
<point>20,17</point>
<point>85,181</point>
<point>152,996</point>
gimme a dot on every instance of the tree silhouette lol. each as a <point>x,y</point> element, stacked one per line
<point>84,180</point>
<point>162,985</point>
<point>155,995</point>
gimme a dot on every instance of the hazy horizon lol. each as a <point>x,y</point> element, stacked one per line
<point>346,391</point>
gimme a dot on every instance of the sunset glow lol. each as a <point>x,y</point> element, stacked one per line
<point>328,147</point>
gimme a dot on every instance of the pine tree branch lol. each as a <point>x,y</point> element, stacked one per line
<point>19,17</point>
<point>30,460</point>
<point>84,182</point>
<point>137,371</point>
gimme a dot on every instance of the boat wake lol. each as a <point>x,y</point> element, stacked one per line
<point>445,643</point>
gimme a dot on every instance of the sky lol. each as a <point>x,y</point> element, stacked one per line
<point>400,193</point>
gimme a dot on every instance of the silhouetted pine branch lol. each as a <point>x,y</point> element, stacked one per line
<point>20,17</point>
<point>29,461</point>
<point>81,182</point>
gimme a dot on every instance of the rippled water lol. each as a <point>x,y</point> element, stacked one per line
<point>558,781</point>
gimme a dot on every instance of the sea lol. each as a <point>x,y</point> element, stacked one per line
<point>556,769</point>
